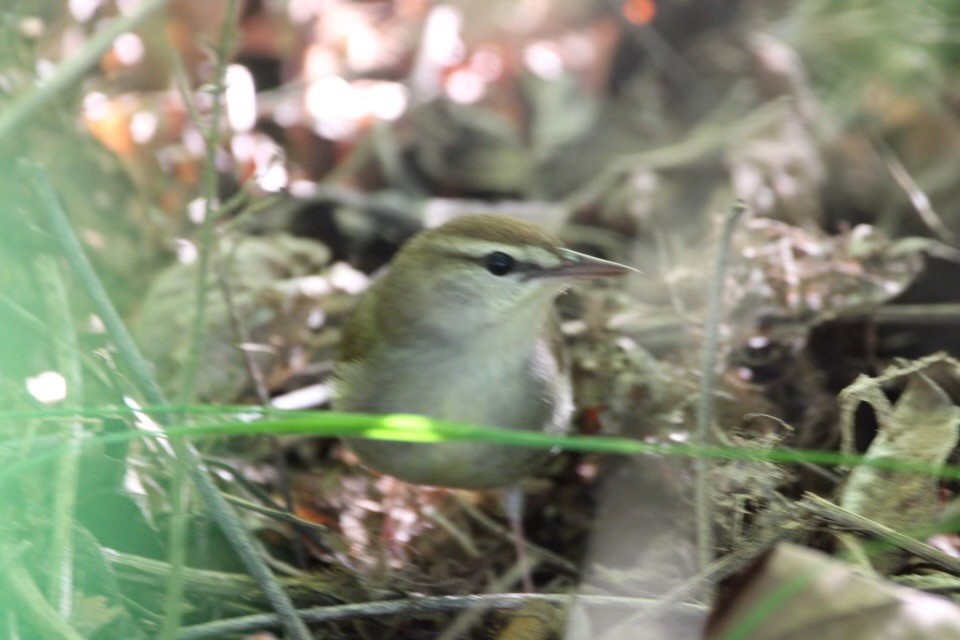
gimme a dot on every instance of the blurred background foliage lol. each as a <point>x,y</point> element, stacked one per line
<point>348,125</point>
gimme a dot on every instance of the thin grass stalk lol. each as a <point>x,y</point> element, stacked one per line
<point>66,477</point>
<point>247,421</point>
<point>708,376</point>
<point>179,495</point>
<point>210,206</point>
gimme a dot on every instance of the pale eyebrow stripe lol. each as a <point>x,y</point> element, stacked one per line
<point>481,248</point>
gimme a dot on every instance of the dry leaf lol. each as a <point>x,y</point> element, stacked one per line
<point>796,593</point>
<point>920,428</point>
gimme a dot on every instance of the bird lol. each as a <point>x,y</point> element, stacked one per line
<point>462,328</point>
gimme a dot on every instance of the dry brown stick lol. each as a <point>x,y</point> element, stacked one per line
<point>828,512</point>
<point>923,314</point>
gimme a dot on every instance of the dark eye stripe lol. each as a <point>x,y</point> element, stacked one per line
<point>522,267</point>
<point>497,265</point>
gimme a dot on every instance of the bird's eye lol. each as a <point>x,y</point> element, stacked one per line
<point>499,263</point>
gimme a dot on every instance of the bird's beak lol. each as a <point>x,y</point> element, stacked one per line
<point>580,265</point>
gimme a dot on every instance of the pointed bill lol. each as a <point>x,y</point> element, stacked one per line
<point>579,265</point>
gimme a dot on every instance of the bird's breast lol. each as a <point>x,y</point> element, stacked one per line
<point>480,386</point>
<point>517,390</point>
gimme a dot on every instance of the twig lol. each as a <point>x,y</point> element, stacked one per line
<point>68,364</point>
<point>920,201</point>
<point>458,535</point>
<point>17,113</point>
<point>708,374</point>
<point>276,514</point>
<point>900,314</point>
<point>821,471</point>
<point>59,226</point>
<point>242,337</point>
<point>415,605</point>
<point>836,515</point>
<point>547,556</point>
<point>274,510</point>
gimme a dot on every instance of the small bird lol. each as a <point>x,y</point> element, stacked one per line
<point>462,328</point>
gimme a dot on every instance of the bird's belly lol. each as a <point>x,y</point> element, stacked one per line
<point>537,399</point>
<point>462,465</point>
